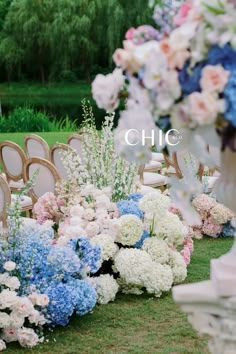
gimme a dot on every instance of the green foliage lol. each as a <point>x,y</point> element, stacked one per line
<point>26,119</point>
<point>52,40</point>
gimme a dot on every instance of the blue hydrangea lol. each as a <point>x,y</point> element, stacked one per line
<point>61,305</point>
<point>226,56</point>
<point>139,243</point>
<point>135,197</point>
<point>228,230</point>
<point>84,296</point>
<point>190,78</point>
<point>89,255</point>
<point>129,207</point>
<point>230,98</point>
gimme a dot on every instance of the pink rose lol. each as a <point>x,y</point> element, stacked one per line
<point>214,78</point>
<point>178,58</point>
<point>130,34</point>
<point>182,14</point>
<point>203,108</point>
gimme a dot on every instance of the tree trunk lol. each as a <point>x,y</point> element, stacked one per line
<point>42,74</point>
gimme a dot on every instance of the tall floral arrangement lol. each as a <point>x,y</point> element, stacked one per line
<point>185,81</point>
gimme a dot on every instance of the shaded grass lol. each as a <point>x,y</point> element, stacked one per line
<point>136,324</point>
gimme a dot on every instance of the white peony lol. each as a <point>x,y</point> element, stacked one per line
<point>9,266</point>
<point>8,299</point>
<point>23,307</point>
<point>4,278</point>
<point>130,230</point>
<point>89,214</point>
<point>5,320</point>
<point>107,245</point>
<point>157,249</point>
<point>16,320</point>
<point>36,318</point>
<point>106,88</point>
<point>103,201</point>
<point>9,334</point>
<point>27,337</point>
<point>2,345</point>
<point>92,229</point>
<point>107,288</point>
<point>12,283</point>
<point>77,211</point>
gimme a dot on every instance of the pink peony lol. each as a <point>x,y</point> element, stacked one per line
<point>211,229</point>
<point>182,14</point>
<point>214,78</point>
<point>130,34</point>
<point>203,108</point>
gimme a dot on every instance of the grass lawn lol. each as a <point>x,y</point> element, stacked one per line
<point>50,137</point>
<point>136,324</point>
<point>53,89</point>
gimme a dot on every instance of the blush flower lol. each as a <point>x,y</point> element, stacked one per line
<point>203,108</point>
<point>214,78</point>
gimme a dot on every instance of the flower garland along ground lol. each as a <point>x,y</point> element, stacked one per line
<point>143,245</point>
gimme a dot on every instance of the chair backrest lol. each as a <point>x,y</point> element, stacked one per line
<point>181,161</point>
<point>5,200</point>
<point>35,146</point>
<point>75,141</point>
<point>56,158</point>
<point>46,179</point>
<point>13,160</point>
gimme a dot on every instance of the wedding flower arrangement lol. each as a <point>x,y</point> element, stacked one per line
<point>216,218</point>
<point>143,245</point>
<point>184,81</point>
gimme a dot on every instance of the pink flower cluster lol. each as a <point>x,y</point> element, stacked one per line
<point>48,207</point>
<point>187,250</point>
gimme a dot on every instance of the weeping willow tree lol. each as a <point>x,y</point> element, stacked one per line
<point>49,39</point>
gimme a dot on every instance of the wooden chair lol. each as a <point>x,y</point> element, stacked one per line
<point>35,146</point>
<point>56,158</point>
<point>152,179</point>
<point>8,199</point>
<point>158,156</point>
<point>153,166</point>
<point>13,160</point>
<point>75,141</point>
<point>176,164</point>
<point>46,179</point>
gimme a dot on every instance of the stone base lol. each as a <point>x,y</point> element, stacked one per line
<point>209,314</point>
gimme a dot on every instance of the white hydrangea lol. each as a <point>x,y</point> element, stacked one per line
<point>171,229</point>
<point>155,202</point>
<point>157,249</point>
<point>158,279</point>
<point>130,230</point>
<point>107,245</point>
<point>107,288</point>
<point>128,288</point>
<point>178,267</point>
<point>137,270</point>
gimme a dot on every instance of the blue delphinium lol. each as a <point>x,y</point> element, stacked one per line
<point>135,197</point>
<point>129,207</point>
<point>139,243</point>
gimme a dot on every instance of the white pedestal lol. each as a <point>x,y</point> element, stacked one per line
<point>209,314</point>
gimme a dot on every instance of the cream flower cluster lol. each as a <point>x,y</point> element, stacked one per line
<point>15,310</point>
<point>162,223</point>
<point>138,269</point>
<point>106,287</point>
<point>130,229</point>
<point>107,245</point>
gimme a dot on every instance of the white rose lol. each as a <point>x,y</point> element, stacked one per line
<point>8,299</point>
<point>27,337</point>
<point>9,266</point>
<point>2,345</point>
